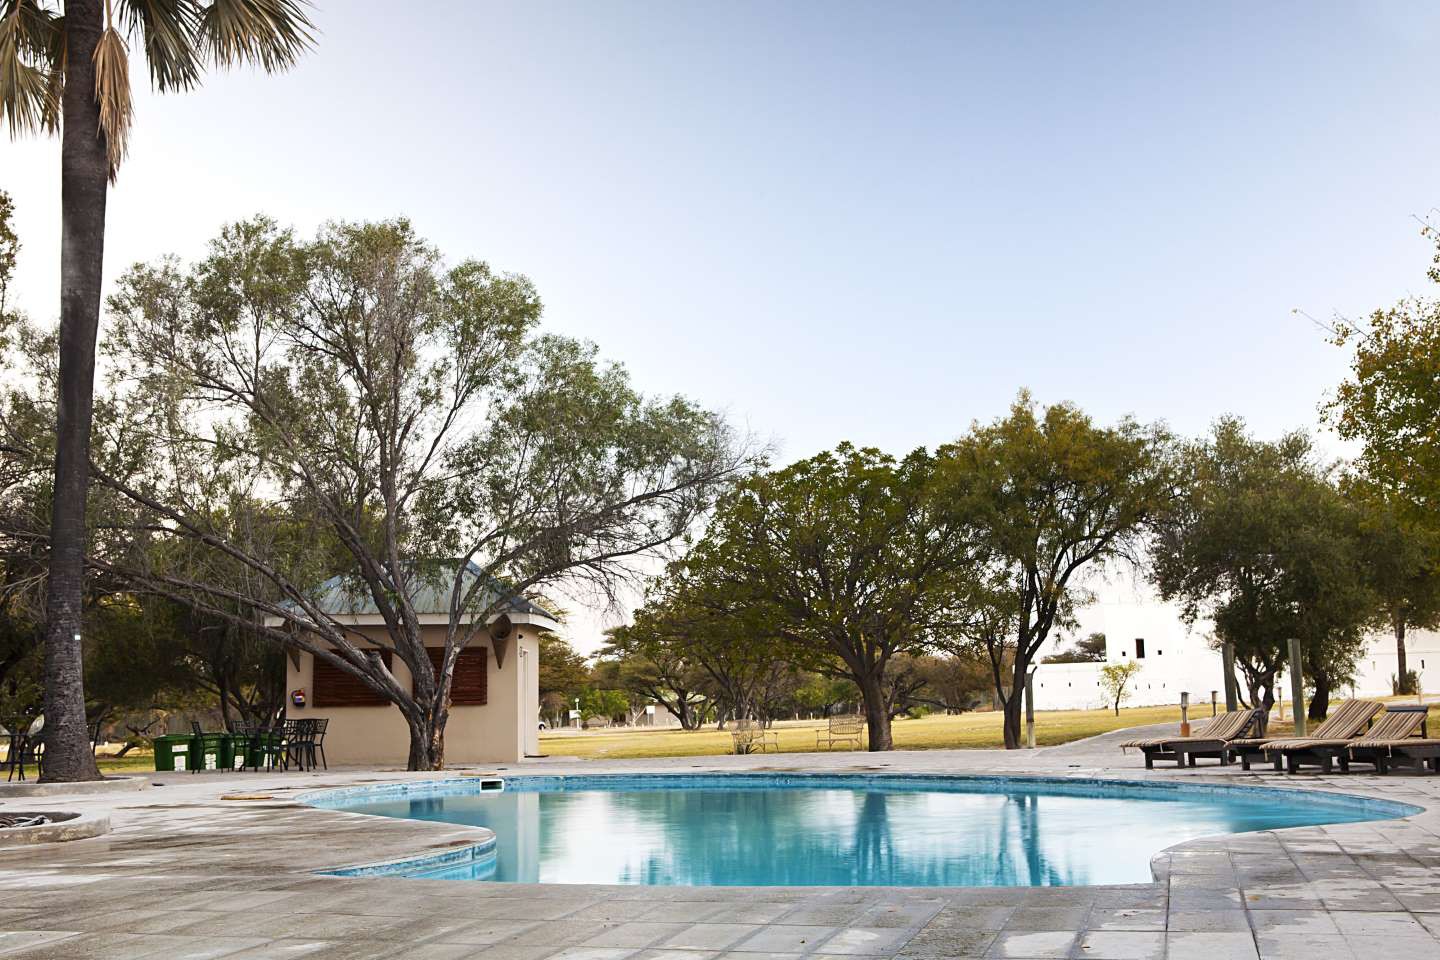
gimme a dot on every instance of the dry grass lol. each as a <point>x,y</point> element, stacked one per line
<point>970,730</point>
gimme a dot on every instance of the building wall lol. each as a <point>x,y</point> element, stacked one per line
<point>504,730</point>
<point>1176,659</point>
<point>1179,659</point>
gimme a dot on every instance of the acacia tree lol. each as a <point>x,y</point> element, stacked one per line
<point>653,662</point>
<point>405,413</point>
<point>1262,544</point>
<point>70,67</point>
<point>1403,559</point>
<point>845,559</point>
<point>1051,496</point>
<point>1115,680</point>
<point>1390,404</point>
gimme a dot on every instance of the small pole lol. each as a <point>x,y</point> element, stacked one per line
<point>1297,687</point>
<point>1030,710</point>
<point>1214,703</point>
<point>1227,656</point>
<point>1184,713</point>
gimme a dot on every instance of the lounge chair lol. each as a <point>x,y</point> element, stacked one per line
<point>1394,738</point>
<point>841,728</point>
<point>1327,744</point>
<point>1210,741</point>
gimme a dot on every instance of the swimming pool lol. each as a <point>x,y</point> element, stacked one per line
<point>830,830</point>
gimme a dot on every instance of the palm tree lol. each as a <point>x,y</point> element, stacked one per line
<point>67,69</point>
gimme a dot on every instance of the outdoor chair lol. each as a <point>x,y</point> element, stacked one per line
<point>1325,746</point>
<point>750,736</point>
<point>1212,740</point>
<point>1394,738</point>
<point>266,744</point>
<point>317,742</point>
<point>300,743</point>
<point>23,748</point>
<point>841,728</point>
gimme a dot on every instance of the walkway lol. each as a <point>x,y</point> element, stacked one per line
<point>189,875</point>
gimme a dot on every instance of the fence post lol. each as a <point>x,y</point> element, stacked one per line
<point>1297,687</point>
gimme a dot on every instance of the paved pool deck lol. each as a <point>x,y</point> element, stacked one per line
<point>189,875</point>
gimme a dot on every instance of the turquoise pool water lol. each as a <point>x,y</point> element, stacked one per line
<point>833,830</point>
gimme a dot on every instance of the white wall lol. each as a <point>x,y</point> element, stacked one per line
<point>1178,659</point>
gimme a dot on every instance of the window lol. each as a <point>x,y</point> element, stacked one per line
<point>1139,648</point>
<point>468,686</point>
<point>334,687</point>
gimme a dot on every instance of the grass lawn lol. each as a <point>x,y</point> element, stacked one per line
<point>931,733</point>
<point>135,760</point>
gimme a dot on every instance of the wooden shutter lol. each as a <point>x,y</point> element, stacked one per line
<point>468,687</point>
<point>333,687</point>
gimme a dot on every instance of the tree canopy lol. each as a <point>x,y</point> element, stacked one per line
<point>289,409</point>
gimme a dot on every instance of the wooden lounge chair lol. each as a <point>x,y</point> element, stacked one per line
<point>1211,740</point>
<point>841,728</point>
<point>750,736</point>
<point>1394,738</point>
<point>1327,744</point>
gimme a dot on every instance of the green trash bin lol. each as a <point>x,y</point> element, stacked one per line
<point>175,751</point>
<point>210,749</point>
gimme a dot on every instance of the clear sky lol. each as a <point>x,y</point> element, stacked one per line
<point>868,222</point>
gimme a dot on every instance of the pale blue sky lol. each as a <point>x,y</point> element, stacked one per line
<point>871,222</point>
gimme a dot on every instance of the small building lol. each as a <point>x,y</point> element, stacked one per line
<point>495,693</point>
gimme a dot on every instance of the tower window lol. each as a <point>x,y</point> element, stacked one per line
<point>1139,648</point>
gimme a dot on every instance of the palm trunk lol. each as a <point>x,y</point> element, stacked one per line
<point>84,170</point>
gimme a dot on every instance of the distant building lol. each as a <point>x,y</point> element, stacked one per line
<point>1175,658</point>
<point>496,699</point>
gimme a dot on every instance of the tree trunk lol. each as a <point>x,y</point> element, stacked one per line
<point>1012,707</point>
<point>877,714</point>
<point>1319,704</point>
<point>84,171</point>
<point>427,743</point>
<point>1402,674</point>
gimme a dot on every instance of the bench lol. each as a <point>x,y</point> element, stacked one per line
<point>842,728</point>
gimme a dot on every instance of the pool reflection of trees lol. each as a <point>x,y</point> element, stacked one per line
<point>804,837</point>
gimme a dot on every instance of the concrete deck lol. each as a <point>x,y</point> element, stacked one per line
<point>187,874</point>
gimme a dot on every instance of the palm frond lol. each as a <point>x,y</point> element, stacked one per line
<point>112,91</point>
<point>38,26</point>
<point>170,32</point>
<point>54,77</point>
<point>25,95</point>
<point>270,33</point>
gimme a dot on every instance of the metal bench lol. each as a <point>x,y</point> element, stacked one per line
<point>841,728</point>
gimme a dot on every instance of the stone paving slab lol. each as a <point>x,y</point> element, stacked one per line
<point>185,874</point>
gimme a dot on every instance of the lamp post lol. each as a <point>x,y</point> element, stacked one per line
<point>1297,687</point>
<point>1184,713</point>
